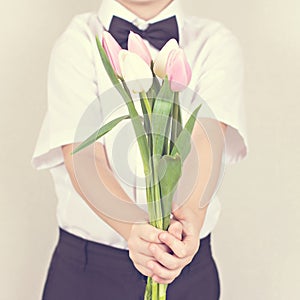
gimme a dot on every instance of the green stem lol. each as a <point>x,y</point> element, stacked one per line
<point>147,104</point>
<point>166,149</point>
<point>157,197</point>
<point>155,291</point>
<point>151,208</point>
<point>175,120</point>
<point>148,290</point>
<point>162,291</point>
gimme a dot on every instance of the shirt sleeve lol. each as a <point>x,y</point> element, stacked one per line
<point>72,96</point>
<point>220,83</point>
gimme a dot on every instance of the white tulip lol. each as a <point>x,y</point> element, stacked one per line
<point>161,59</point>
<point>135,71</point>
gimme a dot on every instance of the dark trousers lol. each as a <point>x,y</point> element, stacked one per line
<point>85,270</point>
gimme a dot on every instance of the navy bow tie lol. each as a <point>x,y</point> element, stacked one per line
<point>157,34</point>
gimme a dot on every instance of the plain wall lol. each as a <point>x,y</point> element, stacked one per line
<point>256,243</point>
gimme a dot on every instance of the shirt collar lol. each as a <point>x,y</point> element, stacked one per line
<point>110,8</point>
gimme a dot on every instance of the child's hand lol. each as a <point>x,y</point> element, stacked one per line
<point>169,265</point>
<point>141,238</point>
<point>139,241</point>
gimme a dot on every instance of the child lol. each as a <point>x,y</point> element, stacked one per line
<point>101,255</point>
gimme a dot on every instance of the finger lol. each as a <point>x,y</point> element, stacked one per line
<point>188,218</point>
<point>144,270</point>
<point>162,246</point>
<point>150,234</point>
<point>162,272</point>
<point>140,259</point>
<point>176,229</point>
<point>166,259</point>
<point>178,247</point>
<point>139,246</point>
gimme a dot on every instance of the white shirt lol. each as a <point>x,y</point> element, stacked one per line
<point>77,77</point>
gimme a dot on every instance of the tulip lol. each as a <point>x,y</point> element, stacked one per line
<point>178,70</point>
<point>112,49</point>
<point>161,59</point>
<point>137,45</point>
<point>135,72</point>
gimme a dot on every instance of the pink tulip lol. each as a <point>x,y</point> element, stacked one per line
<point>137,45</point>
<point>112,49</point>
<point>178,70</point>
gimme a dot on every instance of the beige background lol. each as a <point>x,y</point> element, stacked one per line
<point>256,242</point>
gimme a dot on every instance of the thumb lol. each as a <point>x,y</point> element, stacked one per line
<point>176,229</point>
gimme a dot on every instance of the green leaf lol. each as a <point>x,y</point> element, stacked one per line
<point>99,133</point>
<point>183,143</point>
<point>166,148</point>
<point>169,172</point>
<point>153,91</point>
<point>176,120</point>
<point>160,116</point>
<point>146,117</point>
<point>179,121</point>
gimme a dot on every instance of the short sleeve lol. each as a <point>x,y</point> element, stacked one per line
<point>72,96</point>
<point>220,83</point>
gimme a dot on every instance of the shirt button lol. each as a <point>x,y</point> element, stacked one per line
<point>140,24</point>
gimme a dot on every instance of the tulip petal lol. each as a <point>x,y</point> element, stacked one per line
<point>161,59</point>
<point>137,45</point>
<point>135,71</point>
<point>112,49</point>
<point>178,70</point>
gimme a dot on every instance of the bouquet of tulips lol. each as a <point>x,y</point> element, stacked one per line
<point>163,141</point>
